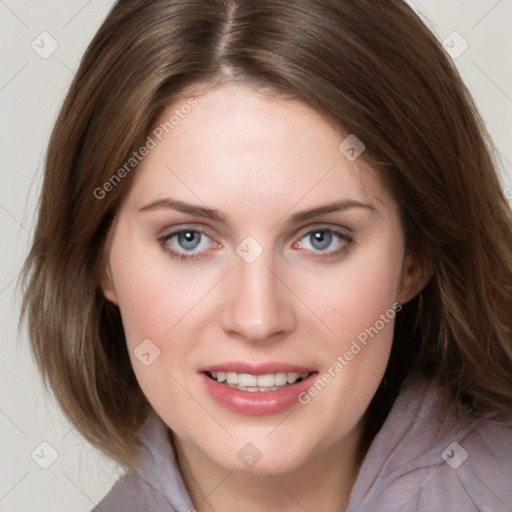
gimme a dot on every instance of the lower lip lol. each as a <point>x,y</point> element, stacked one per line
<point>257,402</point>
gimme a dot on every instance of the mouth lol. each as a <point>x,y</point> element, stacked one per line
<point>253,383</point>
<point>252,388</point>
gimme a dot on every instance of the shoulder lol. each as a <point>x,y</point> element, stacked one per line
<point>429,458</point>
<point>132,494</point>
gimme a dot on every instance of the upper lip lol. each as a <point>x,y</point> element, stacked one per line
<point>252,368</point>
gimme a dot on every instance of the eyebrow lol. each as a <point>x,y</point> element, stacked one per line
<point>215,215</point>
<point>338,206</point>
<point>196,210</point>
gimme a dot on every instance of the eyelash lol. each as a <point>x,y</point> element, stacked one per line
<point>182,256</point>
<point>317,255</point>
<point>330,255</point>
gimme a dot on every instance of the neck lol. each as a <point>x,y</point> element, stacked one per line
<point>323,483</point>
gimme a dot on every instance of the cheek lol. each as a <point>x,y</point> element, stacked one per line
<point>352,297</point>
<point>154,301</point>
<point>357,305</point>
<point>161,304</point>
<point>153,294</point>
<point>142,303</point>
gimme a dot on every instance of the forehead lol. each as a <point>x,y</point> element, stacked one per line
<point>236,142</point>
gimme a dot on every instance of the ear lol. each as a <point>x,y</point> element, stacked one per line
<point>415,276</point>
<point>107,285</point>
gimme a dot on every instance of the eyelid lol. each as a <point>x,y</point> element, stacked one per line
<point>343,233</point>
<point>183,255</point>
<point>170,231</point>
<point>333,228</point>
<point>346,240</point>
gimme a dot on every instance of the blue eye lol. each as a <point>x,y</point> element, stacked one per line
<point>188,240</point>
<point>324,243</point>
<point>320,240</point>
<point>187,243</point>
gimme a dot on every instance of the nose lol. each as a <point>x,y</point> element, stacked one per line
<point>258,306</point>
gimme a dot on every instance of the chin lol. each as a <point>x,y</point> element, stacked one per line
<point>258,455</point>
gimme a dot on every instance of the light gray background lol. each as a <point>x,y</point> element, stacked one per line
<point>31,91</point>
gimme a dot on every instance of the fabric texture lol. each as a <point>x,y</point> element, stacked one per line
<point>423,459</point>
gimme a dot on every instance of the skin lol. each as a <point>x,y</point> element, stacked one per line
<point>258,160</point>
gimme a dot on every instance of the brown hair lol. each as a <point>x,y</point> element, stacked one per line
<point>372,68</point>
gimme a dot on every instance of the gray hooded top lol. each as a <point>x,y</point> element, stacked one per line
<point>421,460</point>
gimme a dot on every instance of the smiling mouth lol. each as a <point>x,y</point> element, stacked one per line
<point>253,383</point>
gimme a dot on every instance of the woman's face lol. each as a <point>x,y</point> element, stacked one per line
<point>250,249</point>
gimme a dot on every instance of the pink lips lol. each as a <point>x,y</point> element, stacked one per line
<point>258,402</point>
<point>256,368</point>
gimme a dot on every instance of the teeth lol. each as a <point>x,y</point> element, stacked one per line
<point>252,383</point>
<point>266,381</point>
<point>246,380</point>
<point>232,377</point>
<point>292,377</point>
<point>281,379</point>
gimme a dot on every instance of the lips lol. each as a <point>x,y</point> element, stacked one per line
<point>256,368</point>
<point>256,388</point>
